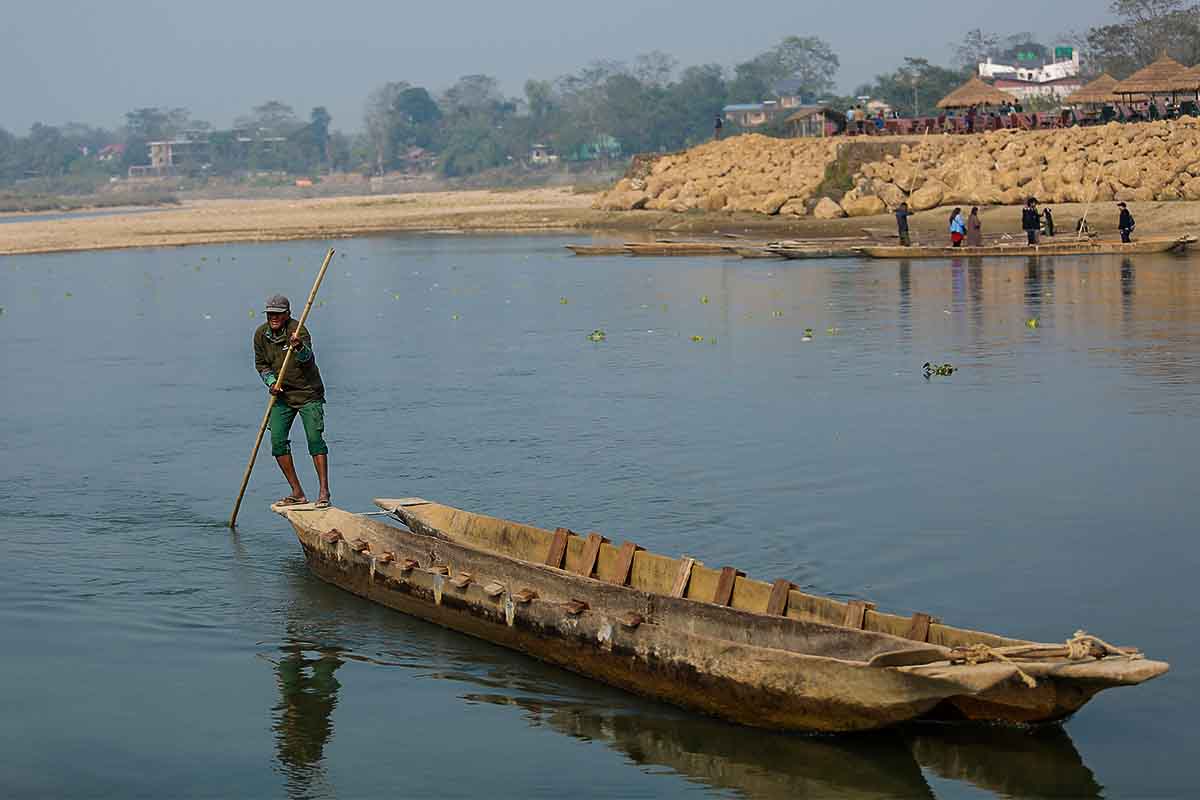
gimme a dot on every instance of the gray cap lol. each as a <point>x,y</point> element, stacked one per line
<point>277,303</point>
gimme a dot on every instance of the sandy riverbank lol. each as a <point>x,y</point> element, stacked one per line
<point>535,210</point>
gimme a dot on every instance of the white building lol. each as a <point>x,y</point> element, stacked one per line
<point>1056,79</point>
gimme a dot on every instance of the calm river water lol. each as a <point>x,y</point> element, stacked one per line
<point>147,651</point>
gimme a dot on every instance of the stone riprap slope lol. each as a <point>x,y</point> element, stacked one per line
<point>1136,162</point>
<point>744,173</point>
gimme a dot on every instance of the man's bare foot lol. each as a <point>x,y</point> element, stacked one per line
<point>323,501</point>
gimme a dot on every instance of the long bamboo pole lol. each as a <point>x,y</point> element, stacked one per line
<point>287,360</point>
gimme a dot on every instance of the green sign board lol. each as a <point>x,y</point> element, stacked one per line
<point>1064,53</point>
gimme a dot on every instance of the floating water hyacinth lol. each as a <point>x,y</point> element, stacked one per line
<point>808,335</point>
<point>832,331</point>
<point>704,300</point>
<point>1032,323</point>
<point>204,258</point>
<point>597,335</point>
<point>697,338</point>
<point>664,307</point>
<point>455,316</point>
<point>562,301</point>
<point>67,294</point>
<point>937,369</point>
<point>253,313</point>
<point>776,314</point>
<point>395,295</point>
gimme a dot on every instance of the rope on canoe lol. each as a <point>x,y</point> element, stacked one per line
<point>1080,646</point>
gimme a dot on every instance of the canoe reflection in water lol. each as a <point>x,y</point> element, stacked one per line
<point>1014,762</point>
<point>302,723</point>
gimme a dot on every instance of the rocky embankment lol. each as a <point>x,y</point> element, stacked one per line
<point>800,177</point>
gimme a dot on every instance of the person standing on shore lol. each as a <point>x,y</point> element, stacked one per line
<point>301,392</point>
<point>718,123</point>
<point>1125,223</point>
<point>958,228</point>
<point>1048,222</point>
<point>1031,220</point>
<point>902,215</point>
<point>974,229</point>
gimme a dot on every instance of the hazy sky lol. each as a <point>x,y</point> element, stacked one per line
<point>92,61</point>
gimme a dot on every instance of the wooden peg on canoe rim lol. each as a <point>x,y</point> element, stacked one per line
<point>361,546</point>
<point>624,569</point>
<point>632,620</point>
<point>723,595</point>
<point>575,607</point>
<point>682,576</point>
<point>778,603</point>
<point>856,613</point>
<point>494,589</point>
<point>591,554</point>
<point>331,536</point>
<point>408,565</point>
<point>918,627</point>
<point>462,580</point>
<point>524,596</point>
<point>439,569</point>
<point>558,548</point>
<point>387,557</point>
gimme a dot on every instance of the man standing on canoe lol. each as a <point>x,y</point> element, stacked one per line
<point>902,215</point>
<point>1125,223</point>
<point>301,392</point>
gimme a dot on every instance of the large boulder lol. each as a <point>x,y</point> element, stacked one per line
<point>891,194</point>
<point>622,201</point>
<point>929,196</point>
<point>795,207</point>
<point>713,201</point>
<point>828,209</point>
<point>1191,189</point>
<point>773,203</point>
<point>857,204</point>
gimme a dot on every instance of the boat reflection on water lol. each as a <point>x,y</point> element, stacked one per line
<point>1011,762</point>
<point>303,717</point>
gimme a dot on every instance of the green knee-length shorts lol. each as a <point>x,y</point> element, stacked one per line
<point>312,415</point>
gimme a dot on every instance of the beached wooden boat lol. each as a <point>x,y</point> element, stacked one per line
<point>1070,247</point>
<point>680,248</point>
<point>710,640</point>
<point>598,249</point>
<point>795,252</point>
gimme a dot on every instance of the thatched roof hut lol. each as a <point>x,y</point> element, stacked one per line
<point>1098,91</point>
<point>1157,78</point>
<point>1188,81</point>
<point>975,93</point>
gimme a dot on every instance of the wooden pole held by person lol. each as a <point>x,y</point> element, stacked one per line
<point>287,359</point>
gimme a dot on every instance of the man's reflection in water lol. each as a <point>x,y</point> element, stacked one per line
<point>303,718</point>
<point>1033,286</point>
<point>905,299</point>
<point>1127,289</point>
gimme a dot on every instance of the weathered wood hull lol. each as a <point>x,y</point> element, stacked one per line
<point>597,249</point>
<point>780,672</point>
<point>1068,248</point>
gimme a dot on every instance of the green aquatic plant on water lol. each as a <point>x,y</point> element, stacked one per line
<point>938,369</point>
<point>597,335</point>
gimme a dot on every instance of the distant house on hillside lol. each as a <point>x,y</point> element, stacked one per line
<point>540,155</point>
<point>751,115</point>
<point>111,152</point>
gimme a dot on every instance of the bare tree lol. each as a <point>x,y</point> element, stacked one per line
<point>377,117</point>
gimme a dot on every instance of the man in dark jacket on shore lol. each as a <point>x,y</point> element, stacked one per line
<point>1125,223</point>
<point>301,392</point>
<point>1031,220</point>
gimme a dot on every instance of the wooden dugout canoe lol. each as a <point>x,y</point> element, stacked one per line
<point>709,640</point>
<point>1071,247</point>
<point>598,249</point>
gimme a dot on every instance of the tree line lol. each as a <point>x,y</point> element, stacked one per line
<point>606,110</point>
